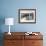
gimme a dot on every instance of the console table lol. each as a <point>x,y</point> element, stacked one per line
<point>20,39</point>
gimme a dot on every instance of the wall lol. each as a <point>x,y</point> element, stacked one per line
<point>9,8</point>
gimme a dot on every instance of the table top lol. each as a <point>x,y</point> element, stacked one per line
<point>22,35</point>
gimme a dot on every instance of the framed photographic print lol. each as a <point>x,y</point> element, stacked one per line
<point>27,15</point>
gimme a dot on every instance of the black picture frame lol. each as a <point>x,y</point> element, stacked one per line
<point>27,15</point>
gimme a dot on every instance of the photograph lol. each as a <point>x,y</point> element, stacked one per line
<point>27,15</point>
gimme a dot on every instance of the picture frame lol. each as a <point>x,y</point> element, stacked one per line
<point>27,15</point>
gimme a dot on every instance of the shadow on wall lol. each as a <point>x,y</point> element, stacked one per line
<point>2,21</point>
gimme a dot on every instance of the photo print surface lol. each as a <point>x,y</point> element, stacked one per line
<point>27,15</point>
